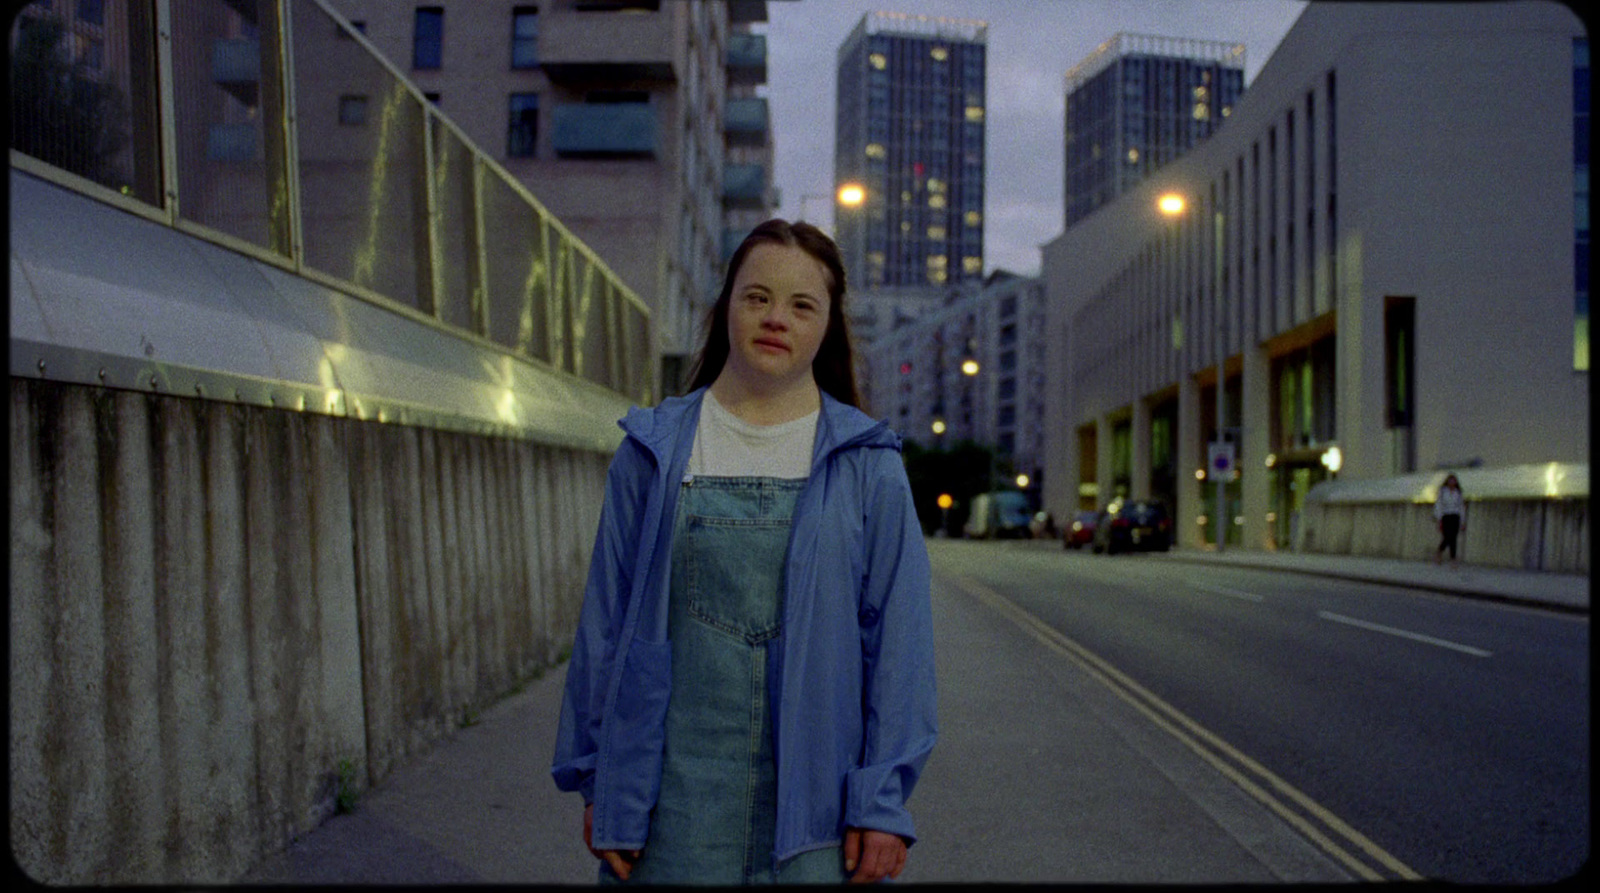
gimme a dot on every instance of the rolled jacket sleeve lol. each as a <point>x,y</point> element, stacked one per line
<point>896,619</point>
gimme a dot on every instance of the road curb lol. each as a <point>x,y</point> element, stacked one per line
<point>1355,576</point>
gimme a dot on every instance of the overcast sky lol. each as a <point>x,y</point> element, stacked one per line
<point>1031,45</point>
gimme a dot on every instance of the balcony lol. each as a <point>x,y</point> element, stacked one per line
<point>745,12</point>
<point>236,67</point>
<point>590,47</point>
<point>744,122</point>
<point>747,59</point>
<point>744,185</point>
<point>623,130</point>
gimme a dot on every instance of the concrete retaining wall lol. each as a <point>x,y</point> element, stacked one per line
<point>1531,534</point>
<point>221,613</point>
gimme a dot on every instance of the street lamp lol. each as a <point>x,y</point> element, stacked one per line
<point>1173,205</point>
<point>969,367</point>
<point>848,195</point>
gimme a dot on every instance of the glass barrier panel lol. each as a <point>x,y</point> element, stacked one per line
<point>362,203</point>
<point>584,295</point>
<point>637,351</point>
<point>83,94</point>
<point>453,161</point>
<point>518,277</point>
<point>227,112</point>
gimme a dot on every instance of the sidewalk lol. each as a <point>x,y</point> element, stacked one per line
<point>1042,774</point>
<point>1562,592</point>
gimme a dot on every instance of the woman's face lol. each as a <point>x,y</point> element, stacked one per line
<point>777,314</point>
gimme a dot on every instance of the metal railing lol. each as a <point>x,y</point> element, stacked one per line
<point>274,128</point>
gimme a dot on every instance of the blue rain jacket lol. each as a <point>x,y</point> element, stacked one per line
<point>851,675</point>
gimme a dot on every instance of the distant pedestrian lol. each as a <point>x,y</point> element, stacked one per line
<point>1449,516</point>
<point>751,692</point>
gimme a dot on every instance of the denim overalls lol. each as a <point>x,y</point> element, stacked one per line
<point>715,817</point>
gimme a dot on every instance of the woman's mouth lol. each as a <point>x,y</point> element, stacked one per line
<point>772,344</point>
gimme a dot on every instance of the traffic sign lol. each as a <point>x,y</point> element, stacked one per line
<point>1220,457</point>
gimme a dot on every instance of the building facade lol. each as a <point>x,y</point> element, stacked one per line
<point>638,123</point>
<point>910,132</point>
<point>1138,102</point>
<point>970,368</point>
<point>1385,252</point>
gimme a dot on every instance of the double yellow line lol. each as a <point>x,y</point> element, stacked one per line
<point>1349,847</point>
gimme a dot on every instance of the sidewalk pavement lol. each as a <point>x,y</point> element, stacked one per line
<point>1042,773</point>
<point>1560,592</point>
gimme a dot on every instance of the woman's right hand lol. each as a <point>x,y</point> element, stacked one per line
<point>621,861</point>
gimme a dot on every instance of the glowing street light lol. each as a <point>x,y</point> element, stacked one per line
<point>1022,482</point>
<point>1170,204</point>
<point>938,426</point>
<point>1332,459</point>
<point>969,367</point>
<point>851,194</point>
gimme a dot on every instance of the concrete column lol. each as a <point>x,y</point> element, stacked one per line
<point>1102,459</point>
<point>1139,435</point>
<point>1255,481</point>
<point>1191,502</point>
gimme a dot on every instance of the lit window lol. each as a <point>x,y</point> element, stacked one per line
<point>974,113</point>
<point>972,264</point>
<point>939,54</point>
<point>973,218</point>
<point>876,150</point>
<point>935,184</point>
<point>936,201</point>
<point>937,277</point>
<point>878,61</point>
<point>1133,156</point>
<point>936,232</point>
<point>938,262</point>
<point>1201,111</point>
<point>905,226</point>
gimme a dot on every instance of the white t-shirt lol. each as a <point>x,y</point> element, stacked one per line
<point>728,446</point>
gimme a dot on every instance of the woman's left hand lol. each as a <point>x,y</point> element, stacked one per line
<point>873,855</point>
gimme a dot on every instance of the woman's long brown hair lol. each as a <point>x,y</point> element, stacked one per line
<point>834,368</point>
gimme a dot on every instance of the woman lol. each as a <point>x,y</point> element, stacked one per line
<point>751,692</point>
<point>1449,516</point>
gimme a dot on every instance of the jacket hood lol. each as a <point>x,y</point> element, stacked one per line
<point>841,426</point>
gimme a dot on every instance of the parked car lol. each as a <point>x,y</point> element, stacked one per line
<point>1080,532</point>
<point>1134,525</point>
<point>1000,514</point>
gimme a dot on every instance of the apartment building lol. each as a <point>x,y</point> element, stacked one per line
<point>1137,102</point>
<point>910,132</point>
<point>970,368</point>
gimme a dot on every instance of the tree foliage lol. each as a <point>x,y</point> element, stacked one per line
<point>963,471</point>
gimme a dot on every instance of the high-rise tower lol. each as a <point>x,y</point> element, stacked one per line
<point>1136,103</point>
<point>909,131</point>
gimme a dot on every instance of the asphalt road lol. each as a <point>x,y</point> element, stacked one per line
<point>1424,735</point>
